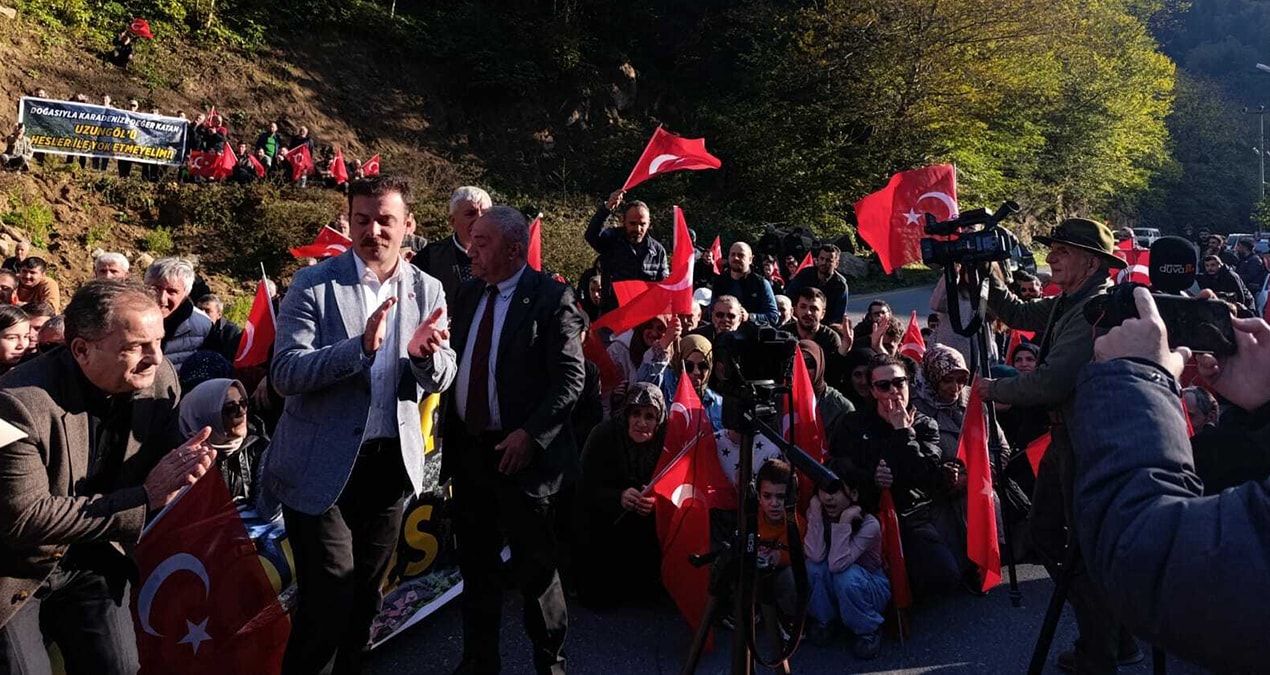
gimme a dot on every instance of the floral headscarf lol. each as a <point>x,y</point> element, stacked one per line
<point>939,361</point>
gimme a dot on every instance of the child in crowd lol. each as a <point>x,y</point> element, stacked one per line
<point>772,483</point>
<point>15,336</point>
<point>844,562</point>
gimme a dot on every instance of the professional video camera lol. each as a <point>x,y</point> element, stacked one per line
<point>989,243</point>
<point>1201,325</point>
<point>754,374</point>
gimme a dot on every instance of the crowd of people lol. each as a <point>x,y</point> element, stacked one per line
<point>266,157</point>
<point>538,450</point>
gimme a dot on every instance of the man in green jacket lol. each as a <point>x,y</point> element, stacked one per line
<point>1081,255</point>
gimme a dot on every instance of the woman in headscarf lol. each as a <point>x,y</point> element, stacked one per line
<point>619,556</point>
<point>854,380</point>
<point>590,293</point>
<point>635,348</point>
<point>222,405</point>
<point>694,355</point>
<point>831,404</point>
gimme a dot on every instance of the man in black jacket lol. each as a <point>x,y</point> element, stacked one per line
<point>752,289</point>
<point>1250,267</point>
<point>825,276</point>
<point>447,259</point>
<point>1223,281</point>
<point>626,252</point>
<point>900,447</point>
<point>508,439</point>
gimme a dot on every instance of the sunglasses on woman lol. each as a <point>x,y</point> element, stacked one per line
<point>885,386</point>
<point>693,366</point>
<point>234,407</point>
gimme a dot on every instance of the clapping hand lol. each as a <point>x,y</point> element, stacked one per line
<point>429,338</point>
<point>179,468</point>
<point>377,327</point>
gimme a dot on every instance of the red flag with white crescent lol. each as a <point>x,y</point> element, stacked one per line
<point>225,163</point>
<point>371,167</point>
<point>203,164</point>
<point>533,254</point>
<point>257,166</point>
<point>204,601</point>
<point>981,514</point>
<point>339,170</point>
<point>258,334</point>
<point>687,483</point>
<point>301,161</point>
<point>140,28</point>
<point>642,300</point>
<point>892,220</point>
<point>329,242</point>
<point>913,345</point>
<point>716,255</point>
<point>667,152</point>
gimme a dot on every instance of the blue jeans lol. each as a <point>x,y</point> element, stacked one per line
<point>854,595</point>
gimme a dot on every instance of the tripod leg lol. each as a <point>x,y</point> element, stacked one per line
<point>772,618</point>
<point>1053,613</point>
<point>1158,659</point>
<point>702,634</point>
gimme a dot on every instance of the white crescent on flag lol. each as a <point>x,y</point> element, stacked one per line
<point>335,249</point>
<point>249,337</point>
<point>655,165</point>
<point>948,202</point>
<point>198,162</point>
<point>174,563</point>
<point>683,493</point>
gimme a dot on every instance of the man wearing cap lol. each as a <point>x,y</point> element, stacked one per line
<point>1081,255</point>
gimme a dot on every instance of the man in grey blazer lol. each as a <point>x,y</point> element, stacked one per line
<point>361,339</point>
<point>507,440</point>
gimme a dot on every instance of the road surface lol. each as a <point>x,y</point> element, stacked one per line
<point>903,301</point>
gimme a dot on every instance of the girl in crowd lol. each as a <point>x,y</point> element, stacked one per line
<point>620,557</point>
<point>831,404</point>
<point>632,350</point>
<point>854,383</point>
<point>15,336</point>
<point>695,355</point>
<point>222,405</point>
<point>844,561</point>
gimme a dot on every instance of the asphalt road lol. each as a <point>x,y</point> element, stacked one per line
<point>955,634</point>
<point>903,301</point>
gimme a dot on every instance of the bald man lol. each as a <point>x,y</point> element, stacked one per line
<point>754,292</point>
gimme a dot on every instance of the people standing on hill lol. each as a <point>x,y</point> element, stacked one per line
<point>271,143</point>
<point>18,152</point>
<point>20,252</point>
<point>102,163</point>
<point>628,252</point>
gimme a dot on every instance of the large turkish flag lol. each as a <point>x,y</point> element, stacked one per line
<point>204,604</point>
<point>667,152</point>
<point>892,219</point>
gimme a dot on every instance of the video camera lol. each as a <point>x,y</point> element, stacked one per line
<point>1202,325</point>
<point>991,243</point>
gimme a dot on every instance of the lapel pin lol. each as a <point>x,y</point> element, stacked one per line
<point>525,301</point>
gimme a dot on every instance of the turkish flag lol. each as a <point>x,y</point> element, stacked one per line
<point>595,352</point>
<point>203,164</point>
<point>981,514</point>
<point>534,254</point>
<point>338,170</point>
<point>1016,338</point>
<point>1036,450</point>
<point>255,164</point>
<point>913,345</point>
<point>892,219</point>
<point>806,430</point>
<point>301,161</point>
<point>258,334</point>
<point>371,167</point>
<point>328,243</point>
<point>807,262</point>
<point>642,300</point>
<point>140,28</point>
<point>893,552</point>
<point>1139,269</point>
<point>204,601</point>
<point>716,255</point>
<point>667,152</point>
<point>687,483</point>
<point>225,163</point>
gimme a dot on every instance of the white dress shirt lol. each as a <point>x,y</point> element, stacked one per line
<point>381,420</point>
<point>502,301</point>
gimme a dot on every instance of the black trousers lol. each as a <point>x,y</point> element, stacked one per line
<point>488,506</point>
<point>340,559</point>
<point>933,566</point>
<point>77,610</point>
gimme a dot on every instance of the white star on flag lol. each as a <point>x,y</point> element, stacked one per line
<point>196,635</point>
<point>912,217</point>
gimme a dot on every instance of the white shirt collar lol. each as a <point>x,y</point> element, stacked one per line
<point>458,245</point>
<point>367,276</point>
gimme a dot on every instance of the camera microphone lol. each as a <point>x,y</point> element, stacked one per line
<point>1172,265</point>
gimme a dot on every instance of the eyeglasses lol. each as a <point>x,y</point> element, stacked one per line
<point>724,315</point>
<point>692,366</point>
<point>234,407</point>
<point>886,385</point>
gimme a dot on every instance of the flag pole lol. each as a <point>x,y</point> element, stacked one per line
<point>636,167</point>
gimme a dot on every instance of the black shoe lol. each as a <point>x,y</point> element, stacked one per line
<point>867,646</point>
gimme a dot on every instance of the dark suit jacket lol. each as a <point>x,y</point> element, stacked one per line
<point>39,517</point>
<point>539,375</point>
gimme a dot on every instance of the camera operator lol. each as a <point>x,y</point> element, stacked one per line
<point>1188,573</point>
<point>1081,253</point>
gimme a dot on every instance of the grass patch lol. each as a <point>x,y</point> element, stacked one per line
<point>158,242</point>
<point>238,307</point>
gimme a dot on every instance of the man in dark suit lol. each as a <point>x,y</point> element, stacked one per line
<point>447,259</point>
<point>85,459</point>
<point>361,339</point>
<point>507,439</point>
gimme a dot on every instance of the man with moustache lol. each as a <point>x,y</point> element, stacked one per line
<point>447,260</point>
<point>753,290</point>
<point>626,252</point>
<point>361,339</point>
<point>507,437</point>
<point>87,458</point>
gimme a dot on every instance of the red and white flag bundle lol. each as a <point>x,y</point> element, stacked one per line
<point>667,152</point>
<point>371,167</point>
<point>892,219</point>
<point>301,161</point>
<point>140,28</point>
<point>913,345</point>
<point>339,171</point>
<point>981,515</point>
<point>716,255</point>
<point>329,242</point>
<point>1139,269</point>
<point>258,334</point>
<point>687,483</point>
<point>204,601</point>
<point>533,254</point>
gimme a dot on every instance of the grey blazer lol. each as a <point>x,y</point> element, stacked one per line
<point>319,367</point>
